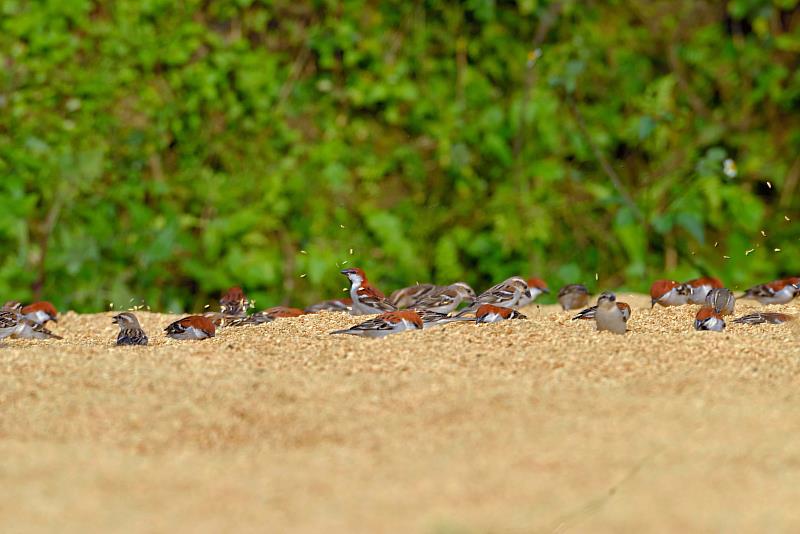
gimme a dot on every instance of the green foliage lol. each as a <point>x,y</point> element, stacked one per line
<point>162,151</point>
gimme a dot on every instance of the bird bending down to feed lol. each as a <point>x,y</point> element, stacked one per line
<point>191,327</point>
<point>764,317</point>
<point>446,299</point>
<point>338,305</point>
<point>721,300</point>
<point>488,313</point>
<point>699,288</point>
<point>385,324</point>
<point>669,293</point>
<point>776,292</point>
<point>267,316</point>
<point>708,319</point>
<point>408,296</point>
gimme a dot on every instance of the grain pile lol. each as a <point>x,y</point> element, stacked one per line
<point>538,425</point>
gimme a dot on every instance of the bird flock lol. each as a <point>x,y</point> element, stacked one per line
<point>425,305</point>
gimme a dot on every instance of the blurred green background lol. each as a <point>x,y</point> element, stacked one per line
<point>161,150</point>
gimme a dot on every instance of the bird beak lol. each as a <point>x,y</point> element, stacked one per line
<point>114,320</point>
<point>54,319</point>
<point>545,290</point>
<point>653,302</point>
<point>346,271</point>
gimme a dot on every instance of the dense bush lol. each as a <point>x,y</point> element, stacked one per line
<point>160,151</point>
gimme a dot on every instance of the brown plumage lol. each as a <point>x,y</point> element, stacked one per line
<point>764,317</point>
<point>191,327</point>
<point>234,302</point>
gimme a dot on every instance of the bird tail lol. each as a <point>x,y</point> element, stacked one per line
<point>345,331</point>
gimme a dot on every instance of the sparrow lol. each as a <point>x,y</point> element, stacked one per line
<point>573,296</point>
<point>343,305</point>
<point>130,333</point>
<point>234,302</point>
<point>28,329</point>
<point>669,293</point>
<point>721,300</point>
<point>700,287</point>
<point>446,299</point>
<point>537,286</point>
<point>489,313</point>
<point>267,316</point>
<point>11,321</point>
<point>191,327</point>
<point>506,294</point>
<point>367,299</point>
<point>708,319</point>
<point>777,292</point>
<point>387,323</point>
<point>433,318</point>
<point>408,296</point>
<point>40,312</point>
<point>589,313</point>
<point>764,317</point>
<point>609,316</point>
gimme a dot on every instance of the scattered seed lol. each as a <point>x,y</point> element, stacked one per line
<point>729,168</point>
<point>769,184</point>
<point>747,252</point>
<point>345,262</point>
<point>716,243</point>
<point>596,276</point>
<point>726,257</point>
<point>763,234</point>
<point>341,226</point>
<point>303,252</point>
<point>777,250</point>
<point>787,218</point>
<point>207,306</point>
<point>351,251</point>
<point>303,275</point>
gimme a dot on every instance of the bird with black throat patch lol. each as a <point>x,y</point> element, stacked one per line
<point>385,324</point>
<point>707,318</point>
<point>193,327</point>
<point>488,313</point>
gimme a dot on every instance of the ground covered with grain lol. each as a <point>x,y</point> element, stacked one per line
<point>525,426</point>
